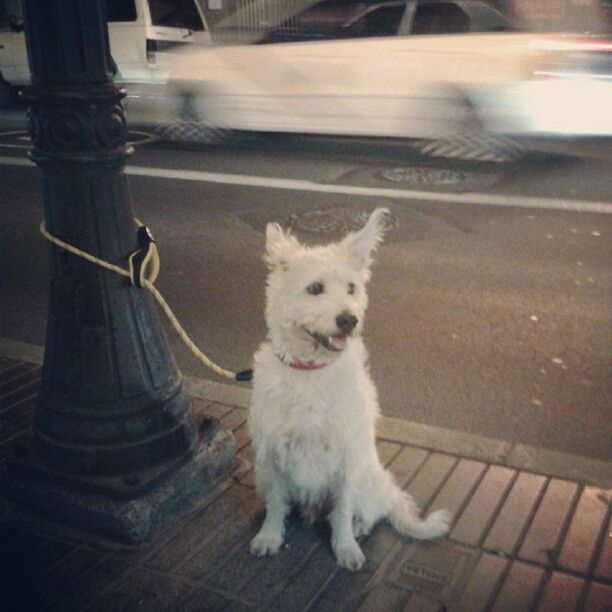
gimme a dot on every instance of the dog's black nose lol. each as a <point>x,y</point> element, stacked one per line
<point>346,322</point>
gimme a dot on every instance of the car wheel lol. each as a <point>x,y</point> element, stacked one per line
<point>191,127</point>
<point>471,141</point>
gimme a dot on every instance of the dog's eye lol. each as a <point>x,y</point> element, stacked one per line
<point>351,288</point>
<point>315,288</point>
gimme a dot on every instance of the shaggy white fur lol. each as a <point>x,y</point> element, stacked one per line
<point>314,407</point>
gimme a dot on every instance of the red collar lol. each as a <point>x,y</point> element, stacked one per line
<point>303,365</point>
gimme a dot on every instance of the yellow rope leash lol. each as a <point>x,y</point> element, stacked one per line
<point>144,276</point>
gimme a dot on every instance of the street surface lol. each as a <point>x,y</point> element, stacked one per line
<point>489,302</point>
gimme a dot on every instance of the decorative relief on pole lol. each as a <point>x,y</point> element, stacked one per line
<point>77,128</point>
<point>111,127</point>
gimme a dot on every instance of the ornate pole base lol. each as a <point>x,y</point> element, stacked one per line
<point>128,510</point>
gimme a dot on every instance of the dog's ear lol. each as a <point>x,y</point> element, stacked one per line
<point>279,246</point>
<point>360,245</point>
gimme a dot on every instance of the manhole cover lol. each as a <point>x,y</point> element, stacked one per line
<point>333,220</point>
<point>439,178</point>
<point>435,570</point>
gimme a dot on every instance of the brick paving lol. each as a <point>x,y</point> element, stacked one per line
<point>520,539</point>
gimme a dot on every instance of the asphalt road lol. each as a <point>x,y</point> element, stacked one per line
<point>489,311</point>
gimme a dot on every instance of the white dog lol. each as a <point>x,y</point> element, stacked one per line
<point>314,408</point>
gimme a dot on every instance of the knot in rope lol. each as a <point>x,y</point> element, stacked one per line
<point>144,266</point>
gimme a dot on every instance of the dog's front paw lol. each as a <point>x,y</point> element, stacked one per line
<point>266,543</point>
<point>349,555</point>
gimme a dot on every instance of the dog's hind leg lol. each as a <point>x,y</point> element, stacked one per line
<point>272,532</point>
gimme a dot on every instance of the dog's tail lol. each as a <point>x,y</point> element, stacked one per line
<point>404,516</point>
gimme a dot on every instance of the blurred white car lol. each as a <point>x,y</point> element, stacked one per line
<point>450,70</point>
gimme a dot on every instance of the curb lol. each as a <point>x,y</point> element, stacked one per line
<point>502,452</point>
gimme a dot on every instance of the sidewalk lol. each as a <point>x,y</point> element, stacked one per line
<point>531,530</point>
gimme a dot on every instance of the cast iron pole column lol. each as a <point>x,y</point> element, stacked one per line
<point>113,418</point>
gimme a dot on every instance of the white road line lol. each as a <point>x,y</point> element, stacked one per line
<point>478,199</point>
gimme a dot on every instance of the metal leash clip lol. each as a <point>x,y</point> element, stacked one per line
<point>144,262</point>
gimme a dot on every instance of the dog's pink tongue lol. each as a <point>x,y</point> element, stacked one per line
<point>338,342</point>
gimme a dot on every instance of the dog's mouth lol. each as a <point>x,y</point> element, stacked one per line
<point>334,343</point>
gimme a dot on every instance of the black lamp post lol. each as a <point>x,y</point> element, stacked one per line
<point>116,449</point>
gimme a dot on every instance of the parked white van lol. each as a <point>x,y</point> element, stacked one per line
<point>140,31</point>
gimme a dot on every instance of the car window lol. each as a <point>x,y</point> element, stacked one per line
<point>484,18</point>
<point>380,21</point>
<point>120,10</point>
<point>175,14</point>
<point>440,18</point>
<point>320,21</point>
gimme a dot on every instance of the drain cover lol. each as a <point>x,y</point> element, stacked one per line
<point>440,178</point>
<point>435,570</point>
<point>337,220</point>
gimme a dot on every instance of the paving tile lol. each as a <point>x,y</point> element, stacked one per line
<point>17,419</point>
<point>203,600</point>
<point>459,486</point>
<point>407,463</point>
<point>18,377</point>
<point>8,364</point>
<point>515,513</point>
<point>27,391</point>
<point>234,419</point>
<point>203,560</point>
<point>418,603</point>
<point>604,564</point>
<point>387,450</point>
<point>244,471</point>
<point>212,410</point>
<point>96,581</point>
<point>246,457</point>
<point>145,591</point>
<point>561,593</point>
<point>7,446</point>
<point>193,532</point>
<point>384,597</point>
<point>541,542</point>
<point>248,479</point>
<point>231,394</point>
<point>344,588</point>
<point>267,581</point>
<point>520,587</point>
<point>586,526</point>
<point>241,566</point>
<point>482,583</point>
<point>55,588</point>
<point>12,371</point>
<point>242,437</point>
<point>599,598</point>
<point>305,583</point>
<point>430,477</point>
<point>477,515</point>
<point>437,570</point>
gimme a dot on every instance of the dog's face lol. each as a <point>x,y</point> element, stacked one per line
<point>316,296</point>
